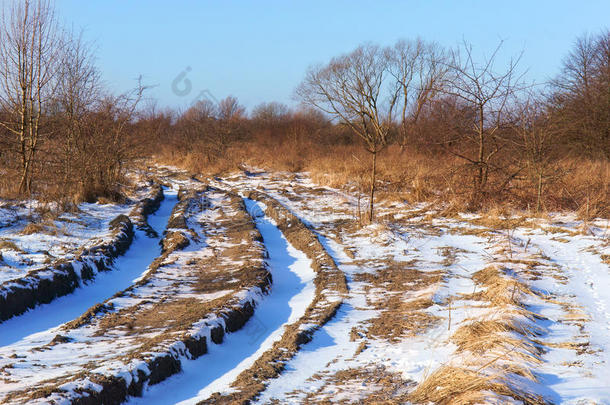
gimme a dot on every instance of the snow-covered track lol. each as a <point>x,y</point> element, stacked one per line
<point>330,289</point>
<point>205,283</point>
<point>448,307</point>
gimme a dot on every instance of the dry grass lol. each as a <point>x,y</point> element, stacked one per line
<point>415,176</point>
<point>168,316</point>
<point>449,254</point>
<point>35,227</point>
<point>499,290</point>
<point>499,219</point>
<point>9,245</point>
<point>497,351</point>
<point>402,308</point>
<point>557,229</point>
<point>462,230</point>
<point>462,385</point>
<point>382,387</point>
<point>485,337</point>
<point>401,318</point>
<point>581,348</point>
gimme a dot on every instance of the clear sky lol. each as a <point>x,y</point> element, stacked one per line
<point>259,50</point>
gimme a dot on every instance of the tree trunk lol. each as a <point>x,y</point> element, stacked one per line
<point>403,141</point>
<point>479,182</point>
<point>373,175</point>
<point>25,184</point>
<point>539,195</point>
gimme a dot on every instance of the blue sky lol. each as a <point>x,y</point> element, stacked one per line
<point>259,51</point>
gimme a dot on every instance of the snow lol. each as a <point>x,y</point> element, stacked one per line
<point>587,288</point>
<point>46,318</point>
<point>332,350</point>
<point>579,260</point>
<point>22,336</point>
<point>64,236</point>
<point>291,293</point>
<point>569,276</point>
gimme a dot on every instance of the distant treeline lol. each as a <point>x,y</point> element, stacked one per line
<point>449,128</point>
<point>413,121</point>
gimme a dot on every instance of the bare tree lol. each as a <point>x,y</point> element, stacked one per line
<point>356,89</point>
<point>230,117</point>
<point>270,113</point>
<point>581,95</point>
<point>536,143</point>
<point>486,92</point>
<point>78,91</point>
<point>230,109</point>
<point>420,69</point>
<point>199,123</point>
<point>201,111</point>
<point>107,144</point>
<point>28,60</point>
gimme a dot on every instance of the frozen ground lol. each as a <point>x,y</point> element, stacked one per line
<point>570,273</point>
<point>47,318</point>
<point>32,235</point>
<point>59,238</point>
<point>21,337</point>
<point>502,310</point>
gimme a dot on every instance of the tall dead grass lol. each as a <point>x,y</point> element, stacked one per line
<point>497,351</point>
<point>410,175</point>
<point>462,385</point>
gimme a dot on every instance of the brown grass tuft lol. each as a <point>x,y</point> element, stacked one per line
<point>499,290</point>
<point>9,245</point>
<point>461,385</point>
<point>484,337</point>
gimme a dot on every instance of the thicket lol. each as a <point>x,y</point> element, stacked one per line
<point>62,135</point>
